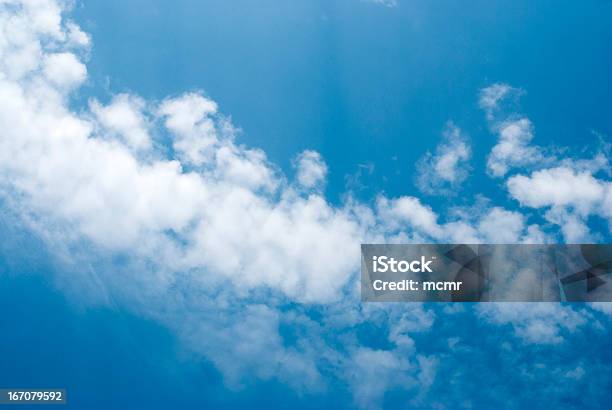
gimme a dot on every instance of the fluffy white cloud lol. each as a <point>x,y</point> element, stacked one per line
<point>512,148</point>
<point>202,233</point>
<point>408,212</point>
<point>479,225</point>
<point>64,70</point>
<point>442,172</point>
<point>567,187</point>
<point>515,132</point>
<point>75,36</point>
<point>571,196</point>
<point>124,118</point>
<point>560,187</point>
<point>235,216</point>
<point>311,169</point>
<point>501,226</point>
<point>190,118</point>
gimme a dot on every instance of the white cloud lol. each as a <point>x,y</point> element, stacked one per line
<point>571,196</point>
<point>568,186</point>
<point>124,117</point>
<point>604,307</point>
<point>444,171</point>
<point>501,226</point>
<point>249,343</point>
<point>512,148</point>
<point>376,371</point>
<point>483,225</point>
<point>405,212</point>
<point>541,323</point>
<point>190,118</point>
<point>491,97</point>
<point>76,36</point>
<point>311,169</point>
<point>573,225</point>
<point>234,207</point>
<point>515,132</point>
<point>64,69</point>
<point>559,187</point>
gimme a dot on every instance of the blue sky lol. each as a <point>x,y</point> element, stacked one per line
<point>184,187</point>
<point>358,82</point>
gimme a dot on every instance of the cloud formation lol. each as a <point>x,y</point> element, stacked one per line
<point>311,169</point>
<point>515,132</point>
<point>203,211</point>
<point>444,171</point>
<point>541,323</point>
<point>212,237</point>
<point>570,189</point>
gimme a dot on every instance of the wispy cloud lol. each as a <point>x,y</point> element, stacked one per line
<point>443,171</point>
<point>386,3</point>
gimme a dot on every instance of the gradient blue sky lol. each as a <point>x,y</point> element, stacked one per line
<point>362,83</point>
<point>372,88</point>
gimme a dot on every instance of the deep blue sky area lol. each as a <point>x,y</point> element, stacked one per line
<point>361,83</point>
<point>109,359</point>
<point>372,89</point>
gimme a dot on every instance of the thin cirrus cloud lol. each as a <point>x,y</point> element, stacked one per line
<point>216,236</point>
